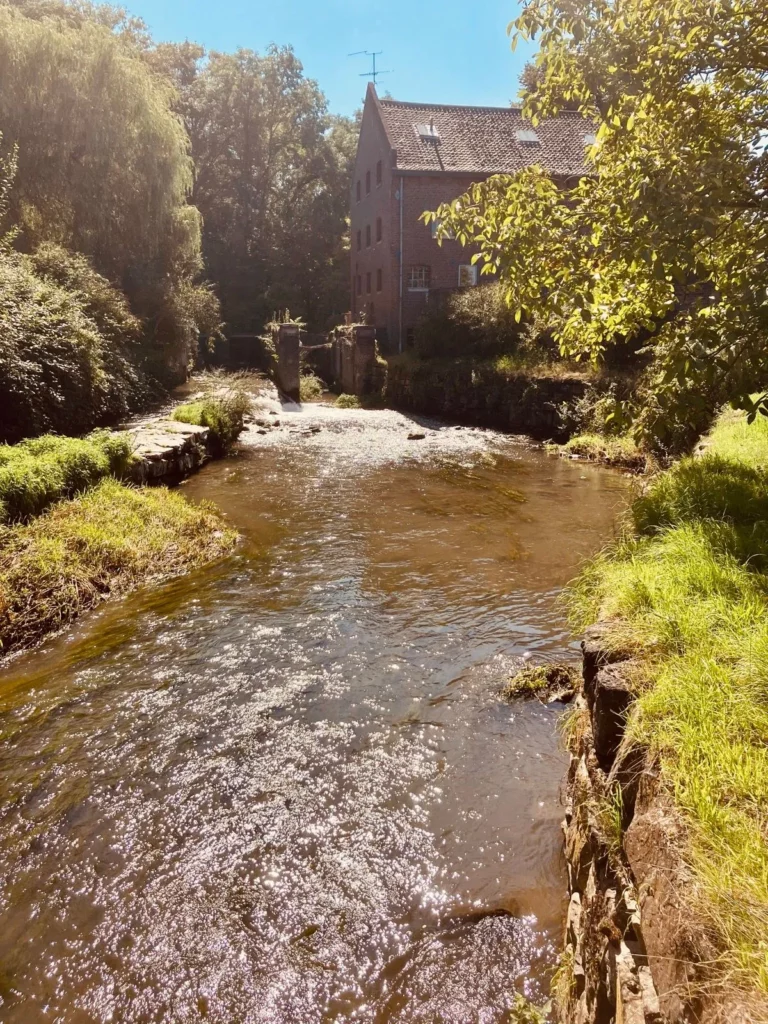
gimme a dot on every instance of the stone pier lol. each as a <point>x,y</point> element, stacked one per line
<point>287,345</point>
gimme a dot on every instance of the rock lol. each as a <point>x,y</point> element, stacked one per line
<point>596,654</point>
<point>261,431</point>
<point>612,698</point>
<point>416,437</point>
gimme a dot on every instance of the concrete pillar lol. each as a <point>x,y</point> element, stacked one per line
<point>364,357</point>
<point>288,359</point>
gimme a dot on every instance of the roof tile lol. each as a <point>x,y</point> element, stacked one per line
<point>484,139</point>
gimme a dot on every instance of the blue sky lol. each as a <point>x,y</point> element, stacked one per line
<point>439,52</point>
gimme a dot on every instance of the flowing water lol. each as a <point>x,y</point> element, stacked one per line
<point>284,789</point>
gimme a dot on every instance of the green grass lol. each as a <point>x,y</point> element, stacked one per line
<point>107,541</point>
<point>222,414</point>
<point>686,592</point>
<point>40,471</point>
<point>613,451</point>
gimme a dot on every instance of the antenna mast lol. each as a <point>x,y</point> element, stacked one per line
<point>374,73</point>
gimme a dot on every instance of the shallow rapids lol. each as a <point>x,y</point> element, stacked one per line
<point>284,789</point>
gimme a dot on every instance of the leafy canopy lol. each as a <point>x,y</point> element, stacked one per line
<point>665,240</point>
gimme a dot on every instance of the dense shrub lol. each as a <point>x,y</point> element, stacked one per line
<point>311,387</point>
<point>36,473</point>
<point>222,414</point>
<point>478,322</point>
<point>67,347</point>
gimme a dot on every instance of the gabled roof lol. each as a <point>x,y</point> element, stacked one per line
<point>483,140</point>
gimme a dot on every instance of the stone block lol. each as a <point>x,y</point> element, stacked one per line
<point>611,701</point>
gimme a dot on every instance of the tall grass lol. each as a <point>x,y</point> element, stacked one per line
<point>223,414</point>
<point>687,592</point>
<point>37,472</point>
<point>107,541</point>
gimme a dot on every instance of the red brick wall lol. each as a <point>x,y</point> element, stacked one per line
<point>420,193</point>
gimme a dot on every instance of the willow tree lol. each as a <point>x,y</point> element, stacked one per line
<point>104,166</point>
<point>665,241</point>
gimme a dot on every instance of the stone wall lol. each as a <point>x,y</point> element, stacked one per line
<point>634,950</point>
<point>472,392</point>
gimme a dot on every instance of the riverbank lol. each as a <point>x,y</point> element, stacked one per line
<point>668,785</point>
<point>75,530</point>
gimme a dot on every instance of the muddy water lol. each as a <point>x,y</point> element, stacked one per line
<point>284,789</point>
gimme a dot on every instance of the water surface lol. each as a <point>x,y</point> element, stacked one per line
<point>284,788</point>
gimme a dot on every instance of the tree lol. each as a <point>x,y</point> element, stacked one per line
<point>666,239</point>
<point>104,166</point>
<point>273,172</point>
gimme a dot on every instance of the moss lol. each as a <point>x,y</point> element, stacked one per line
<point>223,415</point>
<point>105,542</point>
<point>686,592</point>
<point>37,472</point>
<point>553,680</point>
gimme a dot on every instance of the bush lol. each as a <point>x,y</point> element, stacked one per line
<point>477,322</point>
<point>38,472</point>
<point>347,402</point>
<point>67,347</point>
<point>223,414</point>
<point>311,388</point>
<point>105,542</point>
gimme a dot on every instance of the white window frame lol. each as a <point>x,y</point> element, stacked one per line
<point>467,275</point>
<point>418,278</point>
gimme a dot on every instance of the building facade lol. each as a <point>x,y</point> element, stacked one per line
<point>412,157</point>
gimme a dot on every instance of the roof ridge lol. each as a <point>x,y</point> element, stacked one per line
<point>447,106</point>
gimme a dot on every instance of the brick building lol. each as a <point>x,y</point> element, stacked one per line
<point>410,158</point>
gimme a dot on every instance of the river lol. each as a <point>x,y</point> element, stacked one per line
<point>284,788</point>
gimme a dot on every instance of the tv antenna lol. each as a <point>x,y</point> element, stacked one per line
<point>374,73</point>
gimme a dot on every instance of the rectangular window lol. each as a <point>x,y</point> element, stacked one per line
<point>359,241</point>
<point>418,279</point>
<point>378,173</point>
<point>368,282</point>
<point>467,275</point>
<point>358,192</point>
<point>378,279</point>
<point>379,229</point>
<point>359,284</point>
<point>367,182</point>
<point>368,235</point>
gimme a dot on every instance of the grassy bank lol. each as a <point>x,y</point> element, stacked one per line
<point>686,593</point>
<point>105,542</point>
<point>37,472</point>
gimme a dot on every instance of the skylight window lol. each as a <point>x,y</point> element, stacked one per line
<point>428,132</point>
<point>528,137</point>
